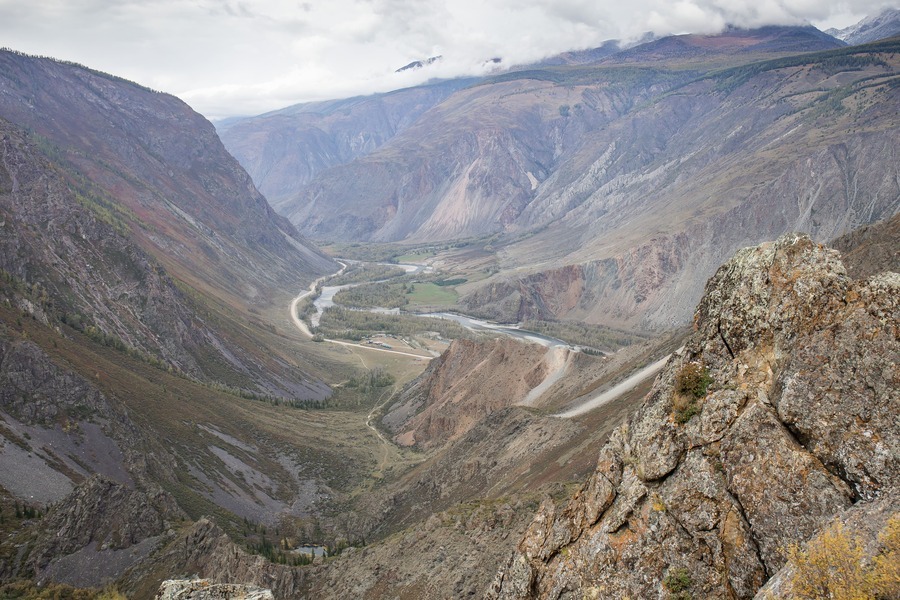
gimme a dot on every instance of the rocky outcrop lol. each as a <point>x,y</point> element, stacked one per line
<point>452,554</point>
<point>204,589</point>
<point>205,551</point>
<point>35,390</point>
<point>100,530</point>
<point>776,416</point>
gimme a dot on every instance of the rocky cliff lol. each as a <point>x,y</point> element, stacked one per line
<point>469,381</point>
<point>776,417</point>
<point>99,531</point>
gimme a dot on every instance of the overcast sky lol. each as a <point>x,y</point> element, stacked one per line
<point>234,57</point>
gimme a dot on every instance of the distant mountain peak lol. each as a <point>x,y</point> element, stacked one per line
<point>419,64</point>
<point>872,28</point>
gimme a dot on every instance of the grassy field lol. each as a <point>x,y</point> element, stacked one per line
<point>430,294</point>
<point>593,336</point>
<point>341,323</point>
<point>362,272</point>
<point>416,256</point>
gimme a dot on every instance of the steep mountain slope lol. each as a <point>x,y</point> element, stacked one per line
<point>646,210</point>
<point>476,149</point>
<point>70,249</point>
<point>776,417</point>
<point>872,249</point>
<point>129,220</point>
<point>189,203</point>
<point>285,149</point>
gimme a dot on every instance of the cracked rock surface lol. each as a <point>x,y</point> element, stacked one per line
<point>797,426</point>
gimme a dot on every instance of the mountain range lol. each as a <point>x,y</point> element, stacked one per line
<point>611,189</point>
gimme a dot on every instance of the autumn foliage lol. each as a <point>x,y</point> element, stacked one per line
<point>834,565</point>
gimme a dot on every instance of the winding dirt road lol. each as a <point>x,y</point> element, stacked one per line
<point>617,390</point>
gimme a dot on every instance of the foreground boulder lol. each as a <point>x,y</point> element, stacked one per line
<point>776,418</point>
<point>203,589</point>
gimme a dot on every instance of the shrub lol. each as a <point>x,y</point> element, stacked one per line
<point>692,380</point>
<point>685,414</point>
<point>678,582</point>
<point>833,566</point>
<point>691,383</point>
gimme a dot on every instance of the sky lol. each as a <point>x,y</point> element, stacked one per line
<point>245,57</point>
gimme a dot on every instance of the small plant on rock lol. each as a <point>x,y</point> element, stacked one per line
<point>678,583</point>
<point>691,384</point>
<point>692,380</point>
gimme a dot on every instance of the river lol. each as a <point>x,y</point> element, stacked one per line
<point>326,300</point>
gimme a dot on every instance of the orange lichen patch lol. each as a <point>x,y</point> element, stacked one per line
<point>621,540</point>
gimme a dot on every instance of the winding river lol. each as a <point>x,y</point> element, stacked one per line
<point>326,300</point>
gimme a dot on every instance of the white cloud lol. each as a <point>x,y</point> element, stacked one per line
<point>228,57</point>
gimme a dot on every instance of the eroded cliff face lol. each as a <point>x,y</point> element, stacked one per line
<point>465,384</point>
<point>777,416</point>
